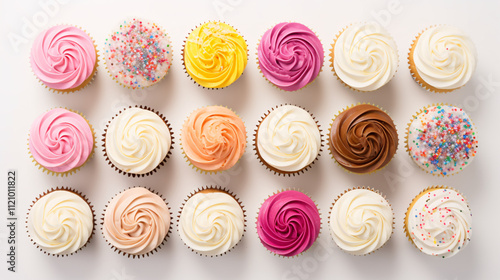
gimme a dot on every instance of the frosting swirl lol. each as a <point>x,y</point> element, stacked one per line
<point>288,138</point>
<point>137,141</point>
<point>136,221</point>
<point>211,222</point>
<point>290,55</point>
<point>439,222</point>
<point>365,56</point>
<point>363,139</point>
<point>213,138</point>
<point>288,223</point>
<point>215,55</point>
<point>63,57</point>
<point>60,222</point>
<point>444,57</point>
<point>61,140</point>
<point>361,221</point>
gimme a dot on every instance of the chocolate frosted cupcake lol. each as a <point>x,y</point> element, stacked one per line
<point>363,139</point>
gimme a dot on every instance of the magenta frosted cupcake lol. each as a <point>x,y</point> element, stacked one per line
<point>288,223</point>
<point>290,55</point>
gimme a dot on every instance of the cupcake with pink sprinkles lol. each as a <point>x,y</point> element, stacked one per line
<point>441,139</point>
<point>138,54</point>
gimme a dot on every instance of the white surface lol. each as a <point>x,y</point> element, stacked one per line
<point>23,99</point>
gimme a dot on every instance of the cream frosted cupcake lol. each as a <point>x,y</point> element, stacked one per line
<point>438,222</point>
<point>211,221</point>
<point>136,222</point>
<point>213,138</point>
<point>287,140</point>
<point>361,221</point>
<point>442,59</point>
<point>364,56</point>
<point>60,222</point>
<point>137,141</point>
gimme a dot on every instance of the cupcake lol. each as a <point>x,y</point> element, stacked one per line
<point>441,139</point>
<point>61,141</point>
<point>213,139</point>
<point>364,56</point>
<point>137,141</point>
<point>442,59</point>
<point>290,56</point>
<point>138,54</point>
<point>214,55</point>
<point>136,222</point>
<point>64,58</point>
<point>363,139</point>
<point>438,221</point>
<point>288,223</point>
<point>60,222</point>
<point>287,140</point>
<point>361,221</point>
<point>211,221</point>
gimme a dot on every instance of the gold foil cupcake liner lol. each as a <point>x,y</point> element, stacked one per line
<point>330,145</point>
<point>332,58</point>
<point>273,169</point>
<point>360,188</point>
<point>257,217</point>
<point>68,190</point>
<point>129,174</point>
<point>184,46</point>
<point>258,63</point>
<point>160,79</point>
<point>208,189</point>
<point>150,253</point>
<point>74,170</point>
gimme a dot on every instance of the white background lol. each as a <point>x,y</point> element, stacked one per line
<point>23,99</point>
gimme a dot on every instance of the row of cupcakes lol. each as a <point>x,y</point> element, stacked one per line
<point>441,140</point>
<point>211,221</point>
<point>364,56</point>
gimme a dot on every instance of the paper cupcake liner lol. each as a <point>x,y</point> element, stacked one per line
<point>330,145</point>
<point>412,203</point>
<point>72,191</point>
<point>332,58</point>
<point>160,79</point>
<point>407,132</point>
<point>184,46</point>
<point>110,163</point>
<point>150,253</point>
<point>213,188</point>
<point>257,217</point>
<point>258,64</point>
<point>273,169</point>
<point>85,83</point>
<point>202,171</point>
<point>74,170</point>
<point>413,70</point>
<point>360,188</point>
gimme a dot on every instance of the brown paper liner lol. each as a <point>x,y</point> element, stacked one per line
<point>202,171</point>
<point>184,46</point>
<point>159,80</point>
<point>213,189</point>
<point>159,165</point>
<point>332,58</point>
<point>360,188</point>
<point>273,169</point>
<point>258,63</point>
<point>330,145</point>
<point>74,170</point>
<point>68,190</point>
<point>140,255</point>
<point>257,217</point>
